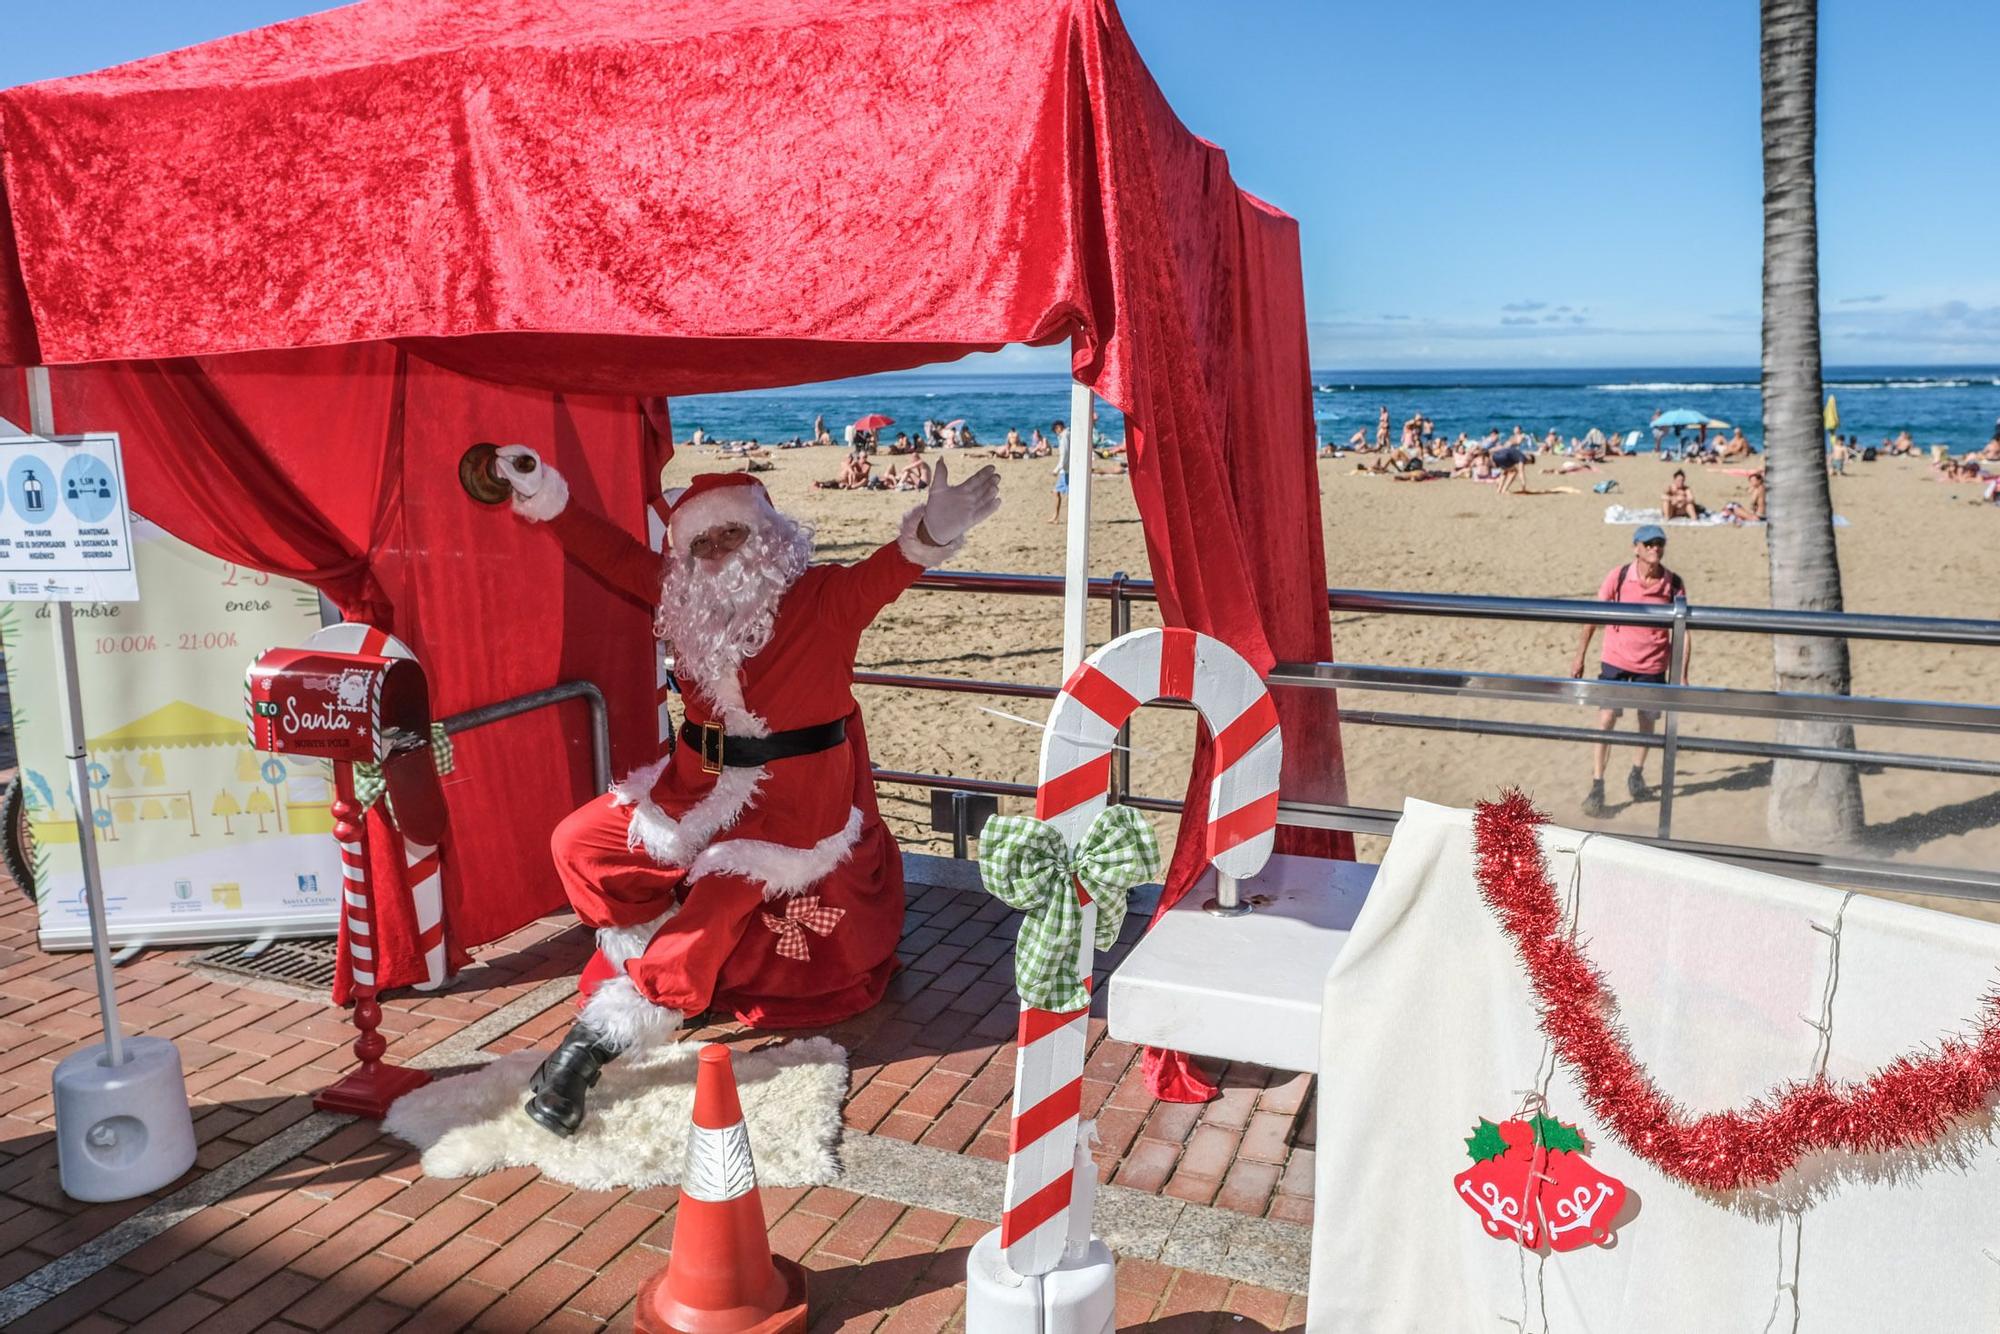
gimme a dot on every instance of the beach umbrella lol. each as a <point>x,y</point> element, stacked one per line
<point>1717,424</point>
<point>1832,415</point>
<point>954,425</point>
<point>874,421</point>
<point>1680,417</point>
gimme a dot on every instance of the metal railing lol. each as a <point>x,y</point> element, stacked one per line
<point>600,728</point>
<point>1670,700</point>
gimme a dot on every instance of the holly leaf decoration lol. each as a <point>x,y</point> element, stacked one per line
<point>1556,1137</point>
<point>1486,1142</point>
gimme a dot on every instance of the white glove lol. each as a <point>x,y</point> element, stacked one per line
<point>953,511</point>
<point>540,492</point>
<point>521,468</point>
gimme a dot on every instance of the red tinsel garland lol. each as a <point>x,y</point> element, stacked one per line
<point>1913,1101</point>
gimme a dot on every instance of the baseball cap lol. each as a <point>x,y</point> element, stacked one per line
<point>1651,532</point>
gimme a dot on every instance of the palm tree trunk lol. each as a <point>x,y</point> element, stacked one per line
<point>1812,803</point>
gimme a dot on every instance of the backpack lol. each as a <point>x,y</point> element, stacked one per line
<point>1675,588</point>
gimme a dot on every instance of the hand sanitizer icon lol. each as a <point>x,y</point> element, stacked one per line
<point>32,490</point>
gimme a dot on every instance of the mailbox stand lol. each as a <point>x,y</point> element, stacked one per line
<point>347,707</point>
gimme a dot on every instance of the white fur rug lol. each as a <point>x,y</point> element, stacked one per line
<point>636,1132</point>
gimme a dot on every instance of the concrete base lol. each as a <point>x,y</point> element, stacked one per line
<point>1077,1297</point>
<point>122,1130</point>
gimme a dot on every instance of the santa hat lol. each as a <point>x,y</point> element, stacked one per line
<point>714,499</point>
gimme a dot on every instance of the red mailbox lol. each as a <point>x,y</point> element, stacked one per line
<point>353,708</point>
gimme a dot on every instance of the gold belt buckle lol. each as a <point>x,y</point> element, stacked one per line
<point>711,766</point>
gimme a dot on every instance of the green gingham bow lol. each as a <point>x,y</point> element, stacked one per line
<point>1025,864</point>
<point>369,785</point>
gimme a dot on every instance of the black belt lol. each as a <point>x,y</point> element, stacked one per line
<point>718,750</point>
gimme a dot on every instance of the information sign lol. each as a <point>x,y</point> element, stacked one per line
<point>65,530</point>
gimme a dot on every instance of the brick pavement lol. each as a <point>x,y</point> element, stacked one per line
<point>350,1235</point>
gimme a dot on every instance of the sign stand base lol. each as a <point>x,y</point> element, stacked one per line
<point>123,1129</point>
<point>1079,1296</point>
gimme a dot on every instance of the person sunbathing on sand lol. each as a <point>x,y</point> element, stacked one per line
<point>1678,500</point>
<point>1739,512</point>
<point>1397,460</point>
<point>853,473</point>
<point>1735,447</point>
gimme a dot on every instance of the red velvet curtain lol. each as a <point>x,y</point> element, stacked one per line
<point>567,200</point>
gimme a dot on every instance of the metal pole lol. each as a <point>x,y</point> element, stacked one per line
<point>961,825</point>
<point>1121,759</point>
<point>1228,901</point>
<point>1076,566</point>
<point>1676,649</point>
<point>42,421</point>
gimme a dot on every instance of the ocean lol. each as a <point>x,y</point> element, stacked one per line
<point>1954,405</point>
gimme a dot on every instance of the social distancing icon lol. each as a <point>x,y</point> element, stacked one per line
<point>88,488</point>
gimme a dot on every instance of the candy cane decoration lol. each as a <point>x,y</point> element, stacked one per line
<point>1049,1178</point>
<point>354,879</point>
<point>420,860</point>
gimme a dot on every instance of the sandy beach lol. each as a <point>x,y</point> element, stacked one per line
<point>1911,545</point>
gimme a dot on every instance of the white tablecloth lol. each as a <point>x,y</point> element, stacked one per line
<point>1720,974</point>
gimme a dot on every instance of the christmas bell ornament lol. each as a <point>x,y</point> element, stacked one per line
<point>1531,1184</point>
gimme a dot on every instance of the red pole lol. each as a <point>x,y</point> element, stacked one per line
<point>369,1090</point>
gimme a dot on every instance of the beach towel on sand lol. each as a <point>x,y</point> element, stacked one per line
<point>1621,514</point>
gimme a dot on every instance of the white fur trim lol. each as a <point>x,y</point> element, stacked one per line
<point>727,697</point>
<point>636,786</point>
<point>672,842</point>
<point>748,505</point>
<point>781,869</point>
<point>621,944</point>
<point>625,1019</point>
<point>916,550</point>
<point>552,499</point>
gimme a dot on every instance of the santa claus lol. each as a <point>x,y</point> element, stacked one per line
<point>749,870</point>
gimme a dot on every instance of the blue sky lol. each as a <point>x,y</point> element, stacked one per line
<point>1555,183</point>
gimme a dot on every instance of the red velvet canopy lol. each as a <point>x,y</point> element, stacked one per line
<point>301,267</point>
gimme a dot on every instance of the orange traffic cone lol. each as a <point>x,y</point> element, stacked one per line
<point>721,1277</point>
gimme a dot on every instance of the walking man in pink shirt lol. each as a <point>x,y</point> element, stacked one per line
<point>1632,652</point>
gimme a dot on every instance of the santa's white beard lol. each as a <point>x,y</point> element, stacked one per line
<point>716,615</point>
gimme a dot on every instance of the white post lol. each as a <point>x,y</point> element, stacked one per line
<point>42,421</point>
<point>1076,566</point>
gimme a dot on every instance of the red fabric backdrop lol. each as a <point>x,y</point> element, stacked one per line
<point>303,232</point>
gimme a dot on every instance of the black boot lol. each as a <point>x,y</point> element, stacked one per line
<point>565,1077</point>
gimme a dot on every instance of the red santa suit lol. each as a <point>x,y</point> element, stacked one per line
<point>773,891</point>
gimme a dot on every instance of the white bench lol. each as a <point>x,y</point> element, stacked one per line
<point>1242,988</point>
